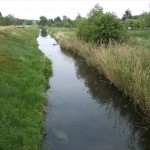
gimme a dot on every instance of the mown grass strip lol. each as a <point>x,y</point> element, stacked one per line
<point>24,72</point>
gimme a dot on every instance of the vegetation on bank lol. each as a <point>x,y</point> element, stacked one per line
<point>125,65</point>
<point>11,20</point>
<point>24,72</point>
<point>101,28</point>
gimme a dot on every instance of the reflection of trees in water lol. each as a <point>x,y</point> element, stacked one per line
<point>118,107</point>
<point>43,32</point>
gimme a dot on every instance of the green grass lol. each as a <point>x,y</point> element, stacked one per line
<point>126,66</point>
<point>68,32</point>
<point>140,38</point>
<point>24,71</point>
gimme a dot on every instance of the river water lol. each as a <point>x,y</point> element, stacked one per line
<point>83,111</point>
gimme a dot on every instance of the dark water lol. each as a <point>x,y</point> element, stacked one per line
<point>84,112</point>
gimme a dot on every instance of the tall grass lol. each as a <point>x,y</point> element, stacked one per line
<point>126,66</point>
<point>23,79</point>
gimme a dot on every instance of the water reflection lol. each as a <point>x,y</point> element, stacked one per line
<point>118,107</point>
<point>44,32</point>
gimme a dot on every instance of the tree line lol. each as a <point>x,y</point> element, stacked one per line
<point>141,21</point>
<point>56,22</point>
<point>101,27</point>
<point>129,21</point>
<point>11,20</point>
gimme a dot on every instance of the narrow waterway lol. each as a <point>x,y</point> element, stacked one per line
<point>83,111</point>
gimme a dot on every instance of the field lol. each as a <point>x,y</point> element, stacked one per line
<point>24,72</point>
<point>125,65</point>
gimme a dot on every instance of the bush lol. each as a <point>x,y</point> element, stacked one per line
<point>102,29</point>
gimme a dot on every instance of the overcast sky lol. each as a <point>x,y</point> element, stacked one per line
<point>33,9</point>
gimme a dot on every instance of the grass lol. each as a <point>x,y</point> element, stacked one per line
<point>68,32</point>
<point>140,38</point>
<point>126,66</point>
<point>24,71</point>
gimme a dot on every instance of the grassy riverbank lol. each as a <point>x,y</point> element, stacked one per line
<point>126,66</point>
<point>24,72</point>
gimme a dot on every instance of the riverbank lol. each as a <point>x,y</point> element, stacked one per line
<point>23,79</point>
<point>126,66</point>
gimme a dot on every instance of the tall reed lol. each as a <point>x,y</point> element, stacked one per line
<point>126,66</point>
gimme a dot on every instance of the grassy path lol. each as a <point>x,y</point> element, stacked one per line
<point>24,71</point>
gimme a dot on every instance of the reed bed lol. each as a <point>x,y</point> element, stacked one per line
<point>125,65</point>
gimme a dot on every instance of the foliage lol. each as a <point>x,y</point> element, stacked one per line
<point>43,21</point>
<point>57,19</point>
<point>146,19</point>
<point>11,20</point>
<point>127,15</point>
<point>101,28</point>
<point>95,11</point>
<point>2,21</point>
<point>50,22</point>
<point>29,22</point>
<point>141,21</point>
<point>44,32</point>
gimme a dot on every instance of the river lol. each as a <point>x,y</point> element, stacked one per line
<point>84,112</point>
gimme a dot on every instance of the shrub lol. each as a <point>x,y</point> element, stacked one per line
<point>101,28</point>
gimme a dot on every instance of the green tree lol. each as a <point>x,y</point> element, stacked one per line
<point>78,20</point>
<point>67,22</point>
<point>127,15</point>
<point>29,22</point>
<point>101,28</point>
<point>43,21</point>
<point>57,19</point>
<point>146,19</point>
<point>65,18</point>
<point>0,14</point>
<point>10,19</point>
<point>95,11</point>
<point>1,21</point>
<point>57,22</point>
<point>50,22</point>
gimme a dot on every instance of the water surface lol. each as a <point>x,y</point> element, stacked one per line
<point>83,111</point>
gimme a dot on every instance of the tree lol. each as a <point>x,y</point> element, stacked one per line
<point>43,21</point>
<point>57,19</point>
<point>10,19</point>
<point>78,20</point>
<point>29,22</point>
<point>101,28</point>
<point>127,15</point>
<point>57,22</point>
<point>0,14</point>
<point>20,21</point>
<point>65,18</point>
<point>95,11</point>
<point>50,22</point>
<point>146,19</point>
<point>2,21</point>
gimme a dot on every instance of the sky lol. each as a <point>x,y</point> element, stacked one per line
<point>33,9</point>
